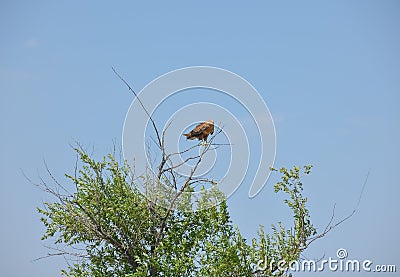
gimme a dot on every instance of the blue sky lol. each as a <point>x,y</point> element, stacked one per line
<point>328,71</point>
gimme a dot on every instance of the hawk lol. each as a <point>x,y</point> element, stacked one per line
<point>201,131</point>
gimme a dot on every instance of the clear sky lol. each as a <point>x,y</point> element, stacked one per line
<point>329,72</point>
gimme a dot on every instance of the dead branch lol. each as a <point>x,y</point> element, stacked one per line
<point>329,227</point>
<point>141,104</point>
<point>61,252</point>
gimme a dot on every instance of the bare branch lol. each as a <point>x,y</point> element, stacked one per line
<point>54,179</point>
<point>141,104</point>
<point>327,229</point>
<point>180,164</point>
<point>329,226</point>
<point>202,180</point>
<point>61,252</point>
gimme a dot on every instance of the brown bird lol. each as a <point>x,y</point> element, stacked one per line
<point>201,131</point>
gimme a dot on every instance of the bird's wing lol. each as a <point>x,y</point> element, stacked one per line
<point>199,129</point>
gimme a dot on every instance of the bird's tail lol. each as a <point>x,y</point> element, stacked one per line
<point>189,136</point>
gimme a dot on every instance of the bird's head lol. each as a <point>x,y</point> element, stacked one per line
<point>211,122</point>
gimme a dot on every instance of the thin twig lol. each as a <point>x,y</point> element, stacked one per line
<point>141,104</point>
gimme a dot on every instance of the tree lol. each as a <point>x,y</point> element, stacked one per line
<point>105,226</point>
